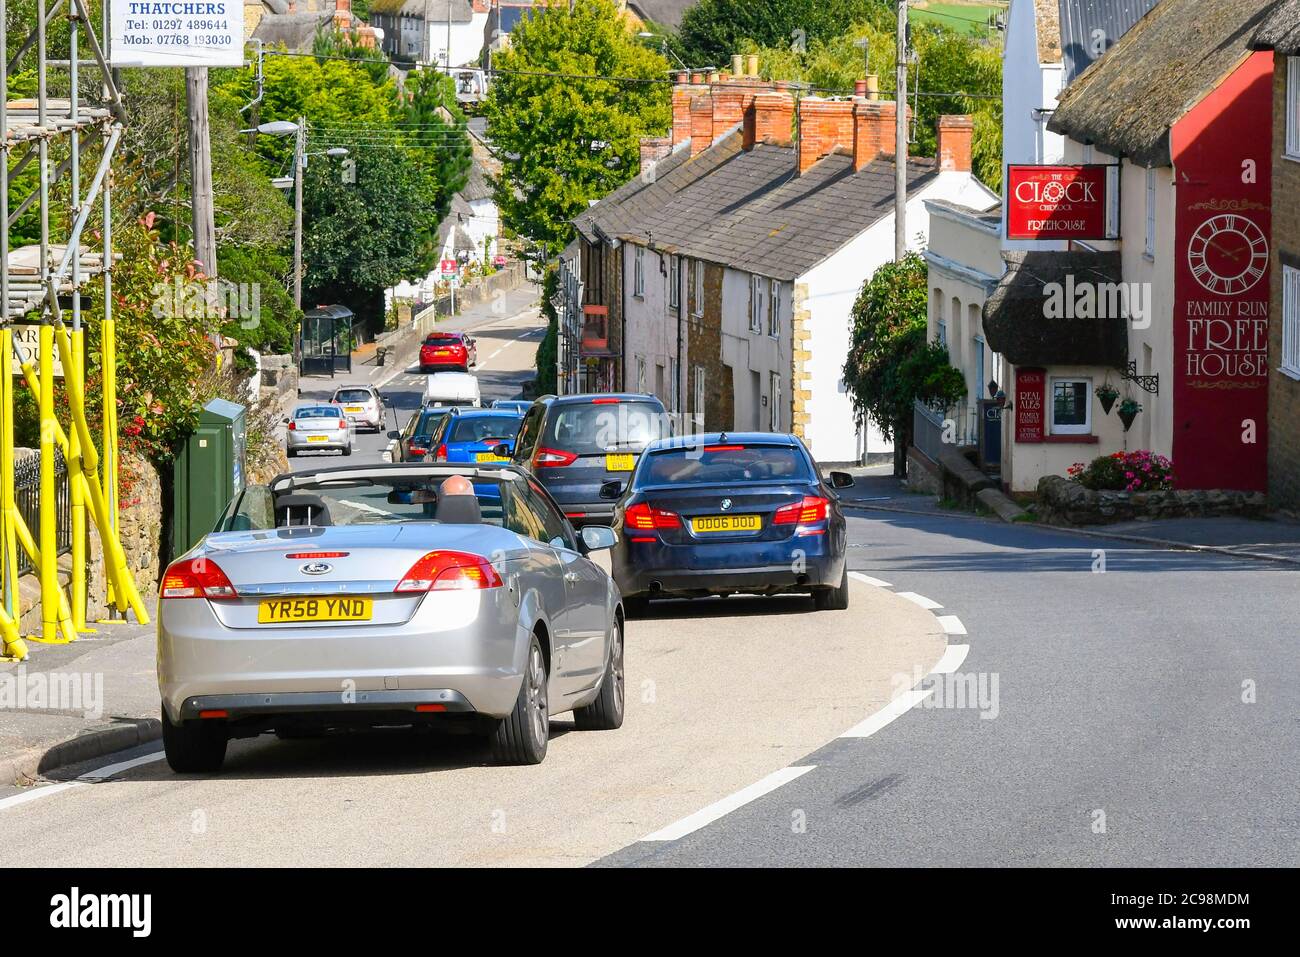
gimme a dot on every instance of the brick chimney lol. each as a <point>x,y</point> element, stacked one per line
<point>873,130</point>
<point>682,95</point>
<point>480,6</point>
<point>954,143</point>
<point>653,149</point>
<point>729,103</point>
<point>701,123</point>
<point>823,125</point>
<point>769,120</point>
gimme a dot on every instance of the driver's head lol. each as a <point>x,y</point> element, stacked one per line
<point>456,485</point>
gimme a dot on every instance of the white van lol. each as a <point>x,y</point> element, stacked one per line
<point>452,388</point>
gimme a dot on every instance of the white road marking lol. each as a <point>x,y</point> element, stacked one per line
<point>952,659</point>
<point>728,804</point>
<point>950,624</point>
<point>869,580</point>
<point>101,774</point>
<point>918,599</point>
<point>366,508</point>
<point>895,709</point>
<point>37,793</point>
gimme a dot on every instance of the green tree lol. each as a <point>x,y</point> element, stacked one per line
<point>567,140</point>
<point>713,30</point>
<point>890,365</point>
<point>548,349</point>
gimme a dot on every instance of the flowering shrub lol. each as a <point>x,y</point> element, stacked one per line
<point>1140,471</point>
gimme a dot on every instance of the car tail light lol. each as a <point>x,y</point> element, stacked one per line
<point>553,458</point>
<point>292,427</point>
<point>724,448</point>
<point>447,571</point>
<point>606,401</point>
<point>441,455</point>
<point>196,578</point>
<point>316,555</point>
<point>644,517</point>
<point>811,509</point>
<point>343,423</point>
<point>415,449</point>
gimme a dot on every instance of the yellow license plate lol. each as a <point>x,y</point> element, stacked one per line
<point>353,408</point>
<point>273,611</point>
<point>620,463</point>
<point>318,438</point>
<point>489,457</point>
<point>726,523</point>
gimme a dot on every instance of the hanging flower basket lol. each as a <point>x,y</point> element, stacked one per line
<point>1128,411</point>
<point>1106,395</point>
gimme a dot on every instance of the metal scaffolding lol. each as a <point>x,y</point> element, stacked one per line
<point>36,280</point>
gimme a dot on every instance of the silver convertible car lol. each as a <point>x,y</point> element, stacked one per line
<point>389,595</point>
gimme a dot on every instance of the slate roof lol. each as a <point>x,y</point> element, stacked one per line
<point>434,10</point>
<point>1079,22</point>
<point>1281,29</point>
<point>1126,102</point>
<point>666,12</point>
<point>749,210</point>
<point>297,31</point>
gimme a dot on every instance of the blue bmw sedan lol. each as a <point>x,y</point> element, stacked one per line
<point>722,514</point>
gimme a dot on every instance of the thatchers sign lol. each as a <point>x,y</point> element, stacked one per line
<point>177,33</point>
<point>1056,202</point>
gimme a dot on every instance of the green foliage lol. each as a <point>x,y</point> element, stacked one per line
<point>332,43</point>
<point>548,349</point>
<point>1137,471</point>
<point>713,30</point>
<point>549,128</point>
<point>271,331</point>
<point>890,365</point>
<point>950,62</point>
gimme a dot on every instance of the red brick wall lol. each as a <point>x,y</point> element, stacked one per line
<point>823,125</point>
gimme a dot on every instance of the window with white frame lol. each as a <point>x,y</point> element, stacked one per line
<point>672,384</point>
<point>638,272</point>
<point>1291,321</point>
<point>1071,406</point>
<point>674,282</point>
<point>1149,246</point>
<point>697,407</point>
<point>697,307</point>
<point>756,288</point>
<point>941,335</point>
<point>978,352</point>
<point>774,309</point>
<point>775,399</point>
<point>1293,107</point>
<point>640,374</point>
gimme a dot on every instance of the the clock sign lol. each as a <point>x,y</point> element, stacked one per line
<point>1228,254</point>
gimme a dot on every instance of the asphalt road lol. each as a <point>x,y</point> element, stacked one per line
<point>1144,715</point>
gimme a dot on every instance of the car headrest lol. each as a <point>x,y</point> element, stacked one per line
<point>458,510</point>
<point>297,509</point>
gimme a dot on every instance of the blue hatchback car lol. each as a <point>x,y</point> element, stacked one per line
<point>475,435</point>
<point>727,513</point>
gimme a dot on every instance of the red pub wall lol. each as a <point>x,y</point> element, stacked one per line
<point>1222,152</point>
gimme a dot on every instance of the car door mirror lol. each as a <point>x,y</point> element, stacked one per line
<point>502,450</point>
<point>596,538</point>
<point>611,490</point>
<point>841,480</point>
<point>392,434</point>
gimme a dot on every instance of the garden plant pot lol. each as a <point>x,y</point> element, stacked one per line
<point>1127,418</point>
<point>1107,401</point>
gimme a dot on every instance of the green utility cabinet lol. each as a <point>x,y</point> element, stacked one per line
<point>209,473</point>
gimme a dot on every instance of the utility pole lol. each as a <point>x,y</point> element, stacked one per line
<point>900,139</point>
<point>299,161</point>
<point>203,226</point>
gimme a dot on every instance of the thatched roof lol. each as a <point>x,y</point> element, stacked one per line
<point>1017,324</point>
<point>1280,30</point>
<point>1126,102</point>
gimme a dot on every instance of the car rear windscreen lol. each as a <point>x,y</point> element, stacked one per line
<point>479,427</point>
<point>317,412</point>
<point>429,421</point>
<point>352,395</point>
<point>724,464</point>
<point>602,427</point>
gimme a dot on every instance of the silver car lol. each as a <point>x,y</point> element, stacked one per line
<point>372,596</point>
<point>318,426</point>
<point>362,405</point>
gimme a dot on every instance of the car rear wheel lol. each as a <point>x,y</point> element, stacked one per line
<point>347,450</point>
<point>193,747</point>
<point>521,738</point>
<point>606,712</point>
<point>291,453</point>
<point>834,599</point>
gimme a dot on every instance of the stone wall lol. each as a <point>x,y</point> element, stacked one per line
<point>704,351</point>
<point>1063,502</point>
<point>1283,390</point>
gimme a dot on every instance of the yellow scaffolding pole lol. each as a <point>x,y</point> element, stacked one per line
<point>73,381</point>
<point>108,368</point>
<point>14,646</point>
<point>48,566</point>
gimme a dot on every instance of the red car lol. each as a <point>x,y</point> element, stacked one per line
<point>448,350</point>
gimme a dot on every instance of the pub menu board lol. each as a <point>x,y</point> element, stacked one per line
<point>1031,403</point>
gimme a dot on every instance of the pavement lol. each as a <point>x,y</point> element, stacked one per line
<point>1270,539</point>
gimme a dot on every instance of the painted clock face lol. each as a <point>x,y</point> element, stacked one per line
<point>1228,254</point>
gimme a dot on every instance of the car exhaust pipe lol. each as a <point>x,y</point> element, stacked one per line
<point>656,588</point>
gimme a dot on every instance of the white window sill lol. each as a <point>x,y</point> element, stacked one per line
<point>1293,157</point>
<point>1289,372</point>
